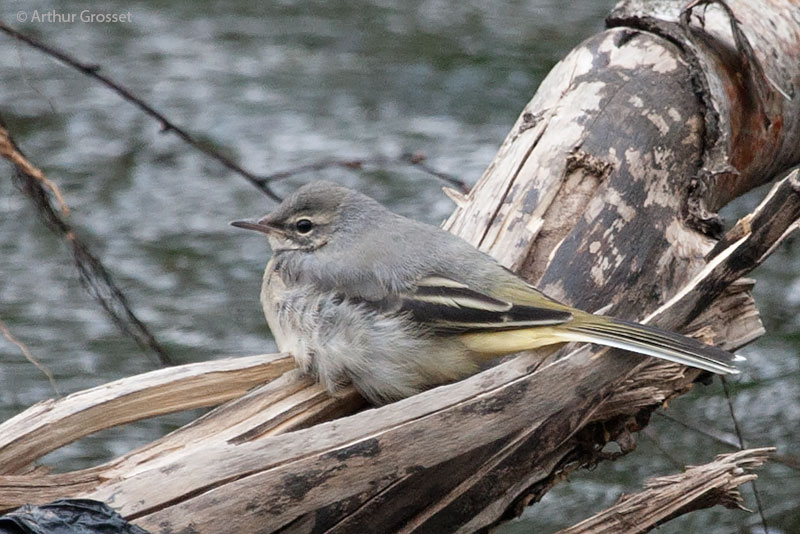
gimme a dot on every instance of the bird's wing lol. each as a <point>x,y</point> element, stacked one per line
<point>449,306</point>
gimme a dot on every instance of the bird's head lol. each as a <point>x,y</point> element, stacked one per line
<point>312,217</point>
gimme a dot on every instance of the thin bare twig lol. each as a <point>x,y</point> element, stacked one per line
<point>740,437</point>
<point>93,274</point>
<point>93,71</point>
<point>789,461</point>
<point>416,159</point>
<point>649,434</point>
<point>728,442</point>
<point>10,152</point>
<point>29,355</point>
<point>262,182</point>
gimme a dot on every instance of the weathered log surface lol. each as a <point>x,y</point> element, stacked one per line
<point>604,193</point>
<point>29,435</point>
<point>670,496</point>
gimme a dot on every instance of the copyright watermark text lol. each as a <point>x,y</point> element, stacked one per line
<point>87,15</point>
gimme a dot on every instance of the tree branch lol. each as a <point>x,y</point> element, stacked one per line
<point>93,274</point>
<point>665,498</point>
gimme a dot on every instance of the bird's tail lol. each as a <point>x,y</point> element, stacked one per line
<point>652,342</point>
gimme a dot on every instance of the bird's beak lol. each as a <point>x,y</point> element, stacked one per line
<point>263,225</point>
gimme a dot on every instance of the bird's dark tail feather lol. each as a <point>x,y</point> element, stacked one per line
<point>654,342</point>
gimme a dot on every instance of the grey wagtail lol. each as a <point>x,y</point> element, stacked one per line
<point>358,294</point>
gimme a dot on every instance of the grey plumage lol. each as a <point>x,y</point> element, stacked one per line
<point>361,295</point>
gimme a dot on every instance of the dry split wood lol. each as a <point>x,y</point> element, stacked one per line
<point>666,497</point>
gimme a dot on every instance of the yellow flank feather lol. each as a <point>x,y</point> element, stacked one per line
<point>493,344</point>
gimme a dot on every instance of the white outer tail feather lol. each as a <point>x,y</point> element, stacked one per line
<point>663,353</point>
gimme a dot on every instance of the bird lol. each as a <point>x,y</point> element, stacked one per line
<point>362,296</point>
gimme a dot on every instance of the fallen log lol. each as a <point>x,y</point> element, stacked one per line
<point>605,194</point>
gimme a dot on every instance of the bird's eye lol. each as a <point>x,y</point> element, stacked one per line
<point>303,226</point>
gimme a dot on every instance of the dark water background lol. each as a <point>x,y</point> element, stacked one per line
<point>275,86</point>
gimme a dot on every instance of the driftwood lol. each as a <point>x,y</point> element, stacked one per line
<point>29,435</point>
<point>666,497</point>
<point>605,194</point>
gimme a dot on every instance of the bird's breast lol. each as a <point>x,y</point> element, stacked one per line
<point>273,297</point>
<point>292,313</point>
